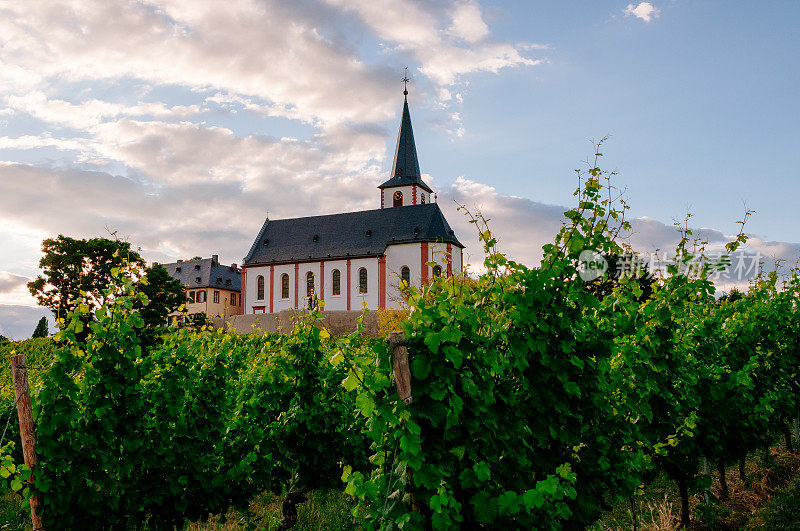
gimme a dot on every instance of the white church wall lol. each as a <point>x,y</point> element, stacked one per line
<point>280,303</point>
<point>332,302</point>
<point>373,283</point>
<point>336,302</point>
<point>302,287</point>
<point>397,256</point>
<point>251,288</point>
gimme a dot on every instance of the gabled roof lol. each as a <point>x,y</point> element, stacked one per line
<point>210,273</point>
<point>405,170</point>
<point>350,235</point>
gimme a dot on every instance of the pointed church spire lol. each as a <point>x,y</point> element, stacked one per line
<point>405,169</point>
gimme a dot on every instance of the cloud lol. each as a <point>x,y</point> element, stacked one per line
<point>522,227</point>
<point>287,54</point>
<point>10,282</point>
<point>19,322</point>
<point>90,113</point>
<point>442,55</point>
<point>180,124</point>
<point>282,58</point>
<point>44,140</point>
<point>644,10</point>
<point>506,214</point>
<point>468,22</point>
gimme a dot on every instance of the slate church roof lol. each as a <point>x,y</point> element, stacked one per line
<point>349,235</point>
<point>405,170</point>
<point>206,273</point>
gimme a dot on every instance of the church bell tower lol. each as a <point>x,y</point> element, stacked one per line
<point>405,186</point>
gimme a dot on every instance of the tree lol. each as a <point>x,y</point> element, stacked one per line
<point>165,295</point>
<point>78,271</point>
<point>41,328</point>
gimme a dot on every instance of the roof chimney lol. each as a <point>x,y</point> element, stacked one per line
<point>215,258</point>
<point>179,261</point>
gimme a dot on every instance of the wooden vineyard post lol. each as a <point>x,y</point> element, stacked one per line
<point>402,380</point>
<point>402,373</point>
<point>707,473</point>
<point>22,396</point>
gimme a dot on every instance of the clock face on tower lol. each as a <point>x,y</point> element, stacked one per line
<point>398,198</point>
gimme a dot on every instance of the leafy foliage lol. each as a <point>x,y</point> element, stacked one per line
<point>164,295</point>
<point>130,433</point>
<point>79,272</point>
<point>539,400</point>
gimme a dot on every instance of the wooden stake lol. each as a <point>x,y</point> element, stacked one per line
<point>402,373</point>
<point>23,398</point>
<point>402,380</point>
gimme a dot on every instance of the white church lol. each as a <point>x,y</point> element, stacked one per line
<point>354,259</point>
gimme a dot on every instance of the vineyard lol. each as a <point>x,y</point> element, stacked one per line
<point>538,399</point>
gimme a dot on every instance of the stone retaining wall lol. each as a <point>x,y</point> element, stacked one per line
<point>338,323</point>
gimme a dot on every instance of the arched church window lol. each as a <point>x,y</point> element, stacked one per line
<point>337,282</point>
<point>405,275</point>
<point>260,288</point>
<point>437,270</point>
<point>284,286</point>
<point>309,284</point>
<point>362,280</point>
<point>398,198</point>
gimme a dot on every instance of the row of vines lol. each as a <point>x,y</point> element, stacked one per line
<point>539,400</point>
<point>542,400</point>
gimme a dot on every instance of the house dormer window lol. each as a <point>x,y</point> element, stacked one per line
<point>197,279</point>
<point>177,269</point>
<point>197,267</point>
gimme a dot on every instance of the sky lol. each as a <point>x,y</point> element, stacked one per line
<point>179,125</point>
